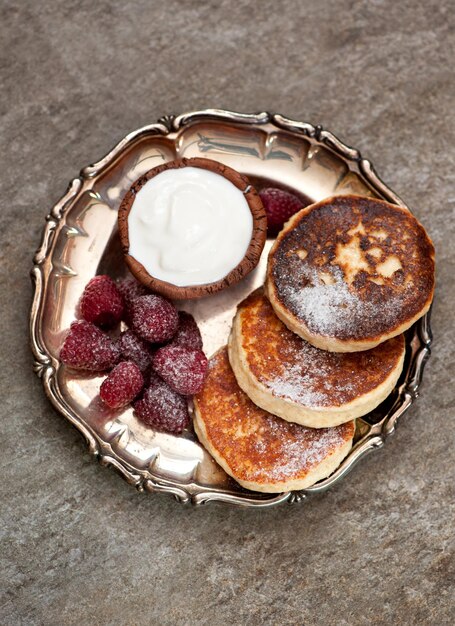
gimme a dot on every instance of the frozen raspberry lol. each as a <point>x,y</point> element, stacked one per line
<point>86,347</point>
<point>150,376</point>
<point>101,302</point>
<point>130,289</point>
<point>122,385</point>
<point>279,206</point>
<point>135,349</point>
<point>182,368</point>
<point>162,407</point>
<point>188,333</point>
<point>153,318</point>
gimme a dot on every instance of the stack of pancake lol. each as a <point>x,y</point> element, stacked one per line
<point>319,346</point>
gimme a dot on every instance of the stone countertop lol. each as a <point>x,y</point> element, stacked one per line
<point>79,546</point>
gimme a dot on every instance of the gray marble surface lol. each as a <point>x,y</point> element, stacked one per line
<point>79,546</point>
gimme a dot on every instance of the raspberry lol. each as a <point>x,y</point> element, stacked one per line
<point>279,206</point>
<point>135,349</point>
<point>188,333</point>
<point>182,368</point>
<point>153,318</point>
<point>130,289</point>
<point>122,385</point>
<point>150,376</point>
<point>101,302</point>
<point>86,347</point>
<point>162,407</point>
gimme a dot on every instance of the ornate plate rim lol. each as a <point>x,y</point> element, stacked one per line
<point>45,365</point>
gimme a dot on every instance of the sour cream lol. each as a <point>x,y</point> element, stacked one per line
<point>189,226</point>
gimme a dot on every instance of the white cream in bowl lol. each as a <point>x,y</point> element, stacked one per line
<point>189,226</point>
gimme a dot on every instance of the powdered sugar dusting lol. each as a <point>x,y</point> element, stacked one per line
<point>291,368</point>
<point>258,446</point>
<point>304,388</point>
<point>86,347</point>
<point>188,333</point>
<point>153,318</point>
<point>135,349</point>
<point>299,449</point>
<point>331,309</point>
<point>122,385</point>
<point>182,368</point>
<point>353,268</point>
<point>312,380</point>
<point>162,407</point>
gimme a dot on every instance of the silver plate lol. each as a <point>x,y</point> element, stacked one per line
<point>80,240</point>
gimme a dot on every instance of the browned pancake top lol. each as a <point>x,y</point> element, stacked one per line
<point>353,268</point>
<point>258,446</point>
<point>293,369</point>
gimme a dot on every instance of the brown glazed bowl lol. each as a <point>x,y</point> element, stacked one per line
<point>246,265</point>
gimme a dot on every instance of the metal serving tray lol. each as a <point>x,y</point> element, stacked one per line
<point>80,240</point>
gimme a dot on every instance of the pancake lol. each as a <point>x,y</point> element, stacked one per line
<point>351,272</point>
<point>260,451</point>
<point>287,376</point>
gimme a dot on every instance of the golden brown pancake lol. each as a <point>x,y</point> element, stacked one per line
<point>350,272</point>
<point>260,451</point>
<point>287,376</point>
